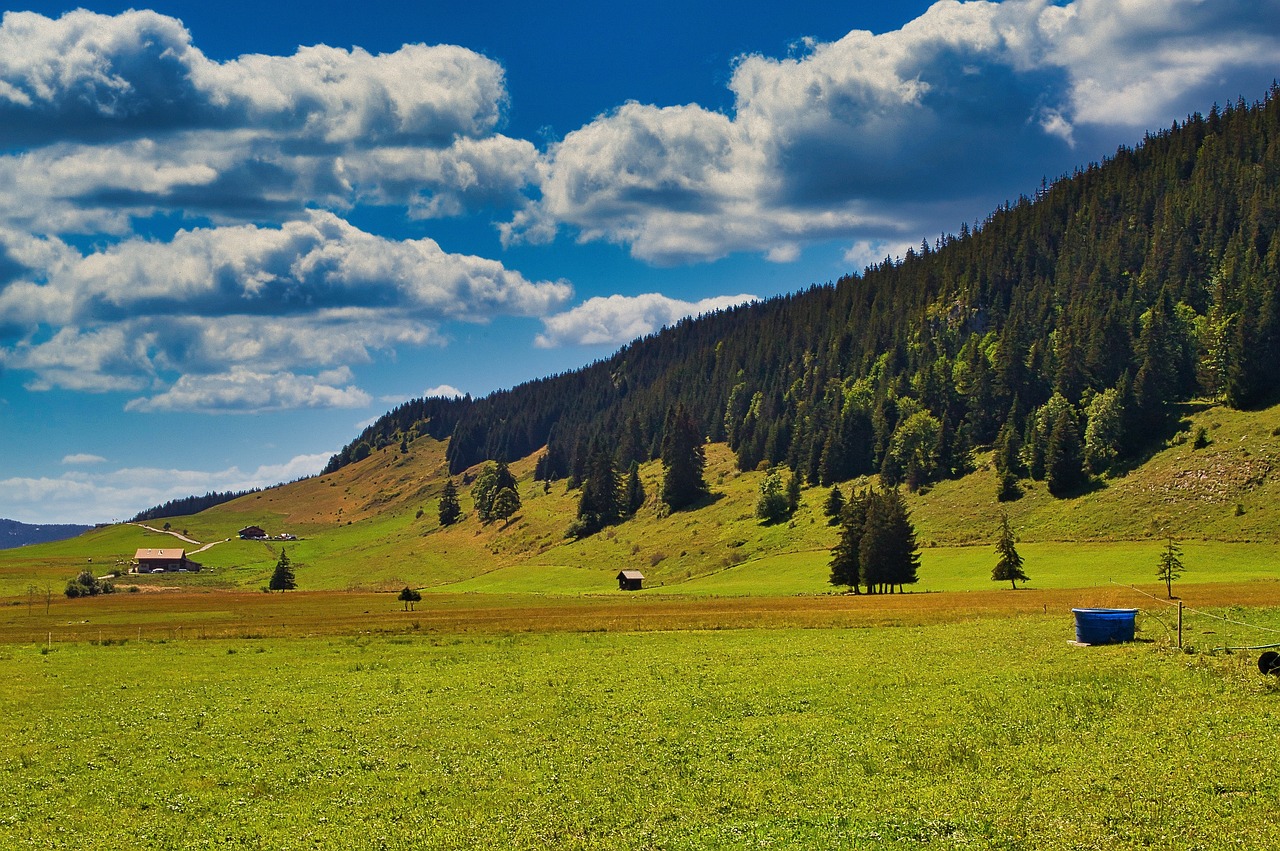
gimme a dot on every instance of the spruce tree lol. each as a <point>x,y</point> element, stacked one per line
<point>450,510</point>
<point>1009,566</point>
<point>282,579</point>
<point>1170,567</point>
<point>506,502</point>
<point>600,504</point>
<point>1063,463</point>
<point>633,490</point>
<point>683,459</point>
<point>793,493</point>
<point>834,506</point>
<point>845,566</point>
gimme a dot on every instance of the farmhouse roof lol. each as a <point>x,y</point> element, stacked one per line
<point>630,574</point>
<point>158,555</point>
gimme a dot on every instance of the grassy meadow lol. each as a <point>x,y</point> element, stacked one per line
<point>988,733</point>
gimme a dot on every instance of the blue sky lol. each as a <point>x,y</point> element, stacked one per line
<point>232,233</point>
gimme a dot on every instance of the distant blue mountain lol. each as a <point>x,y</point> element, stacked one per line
<point>15,534</point>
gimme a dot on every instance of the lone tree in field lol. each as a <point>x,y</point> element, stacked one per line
<point>450,509</point>
<point>684,457</point>
<point>282,579</point>
<point>1170,566</point>
<point>408,596</point>
<point>1009,566</point>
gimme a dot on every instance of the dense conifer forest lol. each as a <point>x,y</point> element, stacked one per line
<point>1059,331</point>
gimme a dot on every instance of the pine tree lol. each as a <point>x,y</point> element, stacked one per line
<point>506,502</point>
<point>834,506</point>
<point>1009,566</point>
<point>1170,567</point>
<point>450,510</point>
<point>600,504</point>
<point>1063,465</point>
<point>683,459</point>
<point>633,490</point>
<point>282,579</point>
<point>845,565</point>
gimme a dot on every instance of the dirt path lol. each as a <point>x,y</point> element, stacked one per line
<point>180,537</point>
<point>210,544</point>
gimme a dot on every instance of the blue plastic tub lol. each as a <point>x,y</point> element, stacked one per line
<point>1104,626</point>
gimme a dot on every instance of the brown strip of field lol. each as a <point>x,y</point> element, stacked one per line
<point>176,616</point>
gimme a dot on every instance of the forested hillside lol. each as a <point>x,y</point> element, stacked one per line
<point>1060,330</point>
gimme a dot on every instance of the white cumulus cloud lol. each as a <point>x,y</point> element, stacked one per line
<point>619,319</point>
<point>893,136</point>
<point>244,391</point>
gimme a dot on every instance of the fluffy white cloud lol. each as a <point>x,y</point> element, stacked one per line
<point>83,458</point>
<point>896,135</point>
<point>312,294</point>
<point>619,319</point>
<point>320,262</point>
<point>82,497</point>
<point>86,75</point>
<point>107,117</point>
<point>244,391</point>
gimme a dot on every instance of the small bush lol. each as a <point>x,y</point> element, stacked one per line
<point>1201,439</point>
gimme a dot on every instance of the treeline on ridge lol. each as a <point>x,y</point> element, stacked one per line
<point>1060,331</point>
<point>189,505</point>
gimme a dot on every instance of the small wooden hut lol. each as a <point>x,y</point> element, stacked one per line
<point>630,580</point>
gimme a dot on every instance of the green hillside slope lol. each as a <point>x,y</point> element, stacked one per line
<point>373,525</point>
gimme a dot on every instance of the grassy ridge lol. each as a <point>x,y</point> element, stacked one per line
<point>992,733</point>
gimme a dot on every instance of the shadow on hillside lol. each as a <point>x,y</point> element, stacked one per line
<point>703,502</point>
<point>1177,423</point>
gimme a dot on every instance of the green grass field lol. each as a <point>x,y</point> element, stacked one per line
<point>992,733</point>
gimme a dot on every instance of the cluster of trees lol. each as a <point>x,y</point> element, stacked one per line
<point>1060,331</point>
<point>495,493</point>
<point>877,548</point>
<point>87,585</point>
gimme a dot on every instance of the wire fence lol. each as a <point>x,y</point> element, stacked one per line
<point>1185,610</point>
